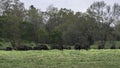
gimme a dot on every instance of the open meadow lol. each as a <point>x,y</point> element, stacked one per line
<point>59,34</point>
<point>60,59</point>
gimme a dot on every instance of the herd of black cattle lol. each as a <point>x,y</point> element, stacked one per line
<point>45,47</point>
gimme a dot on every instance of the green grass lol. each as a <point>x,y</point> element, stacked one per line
<point>60,59</point>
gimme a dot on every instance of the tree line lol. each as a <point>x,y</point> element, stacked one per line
<point>60,27</point>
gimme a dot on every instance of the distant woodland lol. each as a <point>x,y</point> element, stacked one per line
<point>59,27</point>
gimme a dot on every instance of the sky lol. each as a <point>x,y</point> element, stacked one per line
<point>75,5</point>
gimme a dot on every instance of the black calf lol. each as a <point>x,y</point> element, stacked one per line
<point>113,47</point>
<point>100,46</point>
<point>23,47</point>
<point>8,48</point>
<point>59,47</point>
<point>41,47</point>
<point>78,46</point>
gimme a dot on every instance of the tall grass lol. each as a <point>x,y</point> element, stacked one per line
<point>60,59</point>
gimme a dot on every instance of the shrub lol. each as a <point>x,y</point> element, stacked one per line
<point>23,47</point>
<point>41,47</point>
<point>8,48</point>
<point>0,44</point>
<point>1,47</point>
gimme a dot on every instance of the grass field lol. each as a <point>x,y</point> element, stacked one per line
<point>60,59</point>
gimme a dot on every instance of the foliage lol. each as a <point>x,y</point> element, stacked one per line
<point>59,26</point>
